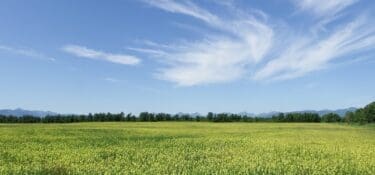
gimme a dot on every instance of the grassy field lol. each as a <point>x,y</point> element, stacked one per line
<point>187,148</point>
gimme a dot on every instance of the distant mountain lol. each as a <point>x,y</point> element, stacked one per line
<point>20,112</point>
<point>340,112</point>
<point>267,114</point>
<point>247,114</point>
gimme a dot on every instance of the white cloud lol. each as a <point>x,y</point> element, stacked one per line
<point>184,7</point>
<point>81,51</point>
<point>26,52</point>
<point>245,40</point>
<point>323,7</point>
<point>156,53</point>
<point>307,55</point>
<point>324,11</point>
<point>252,44</point>
<point>206,62</point>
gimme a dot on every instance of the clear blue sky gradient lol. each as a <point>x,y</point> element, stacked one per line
<point>36,72</point>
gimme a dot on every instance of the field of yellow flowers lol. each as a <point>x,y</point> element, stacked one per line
<point>187,148</point>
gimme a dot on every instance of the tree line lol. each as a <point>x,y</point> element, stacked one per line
<point>362,115</point>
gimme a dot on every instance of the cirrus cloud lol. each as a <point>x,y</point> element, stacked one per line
<point>307,55</point>
<point>245,40</point>
<point>26,52</point>
<point>84,52</point>
<point>253,44</point>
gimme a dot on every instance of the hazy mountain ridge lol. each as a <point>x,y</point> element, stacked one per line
<point>340,112</point>
<point>21,112</point>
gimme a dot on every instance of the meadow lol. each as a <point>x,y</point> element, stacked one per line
<point>187,148</point>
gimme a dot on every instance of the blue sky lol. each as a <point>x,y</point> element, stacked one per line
<point>187,55</point>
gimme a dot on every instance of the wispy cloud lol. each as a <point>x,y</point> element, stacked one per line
<point>84,52</point>
<point>154,52</point>
<point>306,55</point>
<point>324,12</point>
<point>26,52</point>
<point>244,40</point>
<point>184,7</point>
<point>253,44</point>
<point>322,8</point>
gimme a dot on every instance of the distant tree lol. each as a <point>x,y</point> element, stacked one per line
<point>120,116</point>
<point>168,117</point>
<point>152,117</point>
<point>143,116</point>
<point>29,119</point>
<point>210,116</point>
<point>198,118</point>
<point>90,117</point>
<point>133,118</point>
<point>186,117</point>
<point>349,117</point>
<point>331,117</point>
<point>128,117</point>
<point>161,117</point>
<point>279,117</point>
<point>360,116</point>
<point>369,112</point>
<point>176,117</point>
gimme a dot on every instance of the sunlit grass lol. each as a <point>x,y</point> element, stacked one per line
<point>186,148</point>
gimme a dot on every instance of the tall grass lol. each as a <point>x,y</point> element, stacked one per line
<point>187,148</point>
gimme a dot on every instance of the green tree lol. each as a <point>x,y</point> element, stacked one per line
<point>210,116</point>
<point>331,117</point>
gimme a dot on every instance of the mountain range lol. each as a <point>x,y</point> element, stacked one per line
<point>21,112</point>
<point>340,112</point>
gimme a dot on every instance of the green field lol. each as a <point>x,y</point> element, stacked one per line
<point>187,148</point>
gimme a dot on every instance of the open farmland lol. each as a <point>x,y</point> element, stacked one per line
<point>187,148</point>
